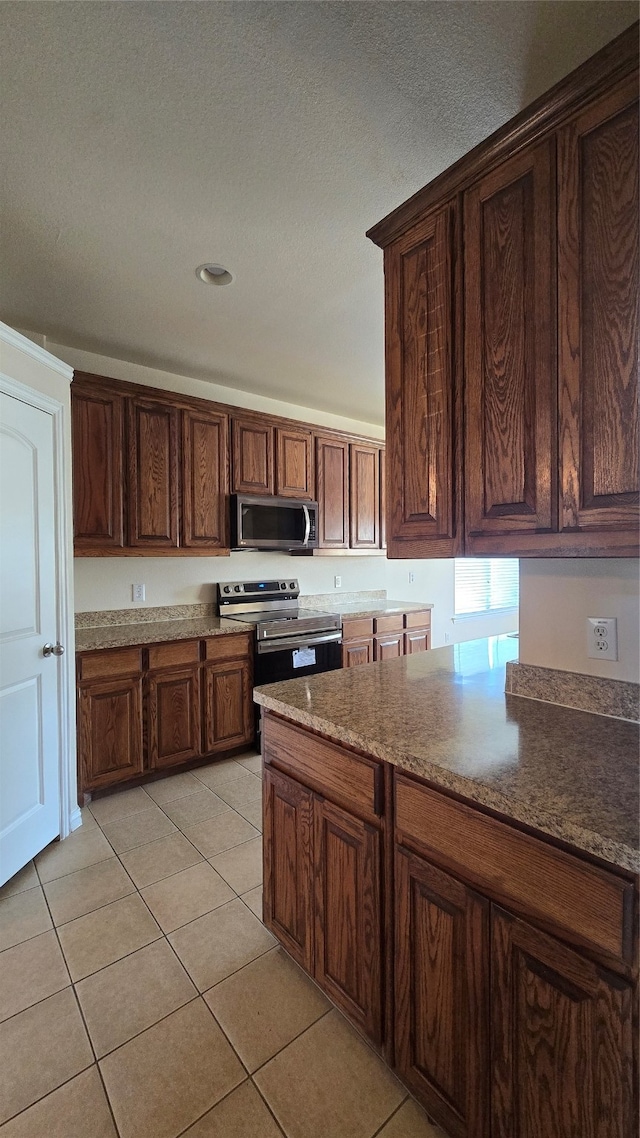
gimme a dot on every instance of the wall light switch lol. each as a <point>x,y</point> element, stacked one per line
<point>137,592</point>
<point>602,637</point>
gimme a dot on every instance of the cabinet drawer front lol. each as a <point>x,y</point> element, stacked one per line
<point>594,907</point>
<point>111,662</point>
<point>353,781</point>
<point>176,653</point>
<point>392,623</point>
<point>418,619</point>
<point>227,647</point>
<point>357,629</point>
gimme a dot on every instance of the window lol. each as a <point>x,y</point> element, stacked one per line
<point>485,584</point>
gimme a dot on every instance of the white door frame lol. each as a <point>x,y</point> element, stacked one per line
<point>70,817</point>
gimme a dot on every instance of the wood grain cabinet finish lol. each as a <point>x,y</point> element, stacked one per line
<point>174,716</point>
<point>205,480</point>
<point>97,448</point>
<point>253,456</point>
<point>388,646</point>
<point>153,474</point>
<point>442,995</point>
<point>228,716</point>
<point>295,466</point>
<point>109,731</point>
<point>356,652</point>
<point>288,904</point>
<point>418,640</point>
<point>332,487</point>
<point>364,465</point>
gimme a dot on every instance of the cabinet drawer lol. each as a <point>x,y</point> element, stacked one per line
<point>417,619</point>
<point>227,647</point>
<point>176,653</point>
<point>392,623</point>
<point>110,662</point>
<point>594,907</point>
<point>325,767</point>
<point>357,629</point>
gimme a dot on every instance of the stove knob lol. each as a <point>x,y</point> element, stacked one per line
<point>283,584</point>
<point>227,589</point>
<point>237,588</point>
<point>292,584</point>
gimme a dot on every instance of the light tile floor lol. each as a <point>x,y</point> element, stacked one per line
<point>142,997</point>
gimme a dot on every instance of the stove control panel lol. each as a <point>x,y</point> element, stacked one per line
<point>247,592</point>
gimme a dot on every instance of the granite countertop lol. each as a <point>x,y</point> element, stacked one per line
<point>360,610</point>
<point>155,632</point>
<point>444,715</point>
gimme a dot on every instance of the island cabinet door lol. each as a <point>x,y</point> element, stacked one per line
<point>288,865</point>
<point>441,996</point>
<point>562,1040</point>
<point>348,915</point>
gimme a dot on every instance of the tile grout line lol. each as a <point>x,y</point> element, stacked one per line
<point>387,1120</point>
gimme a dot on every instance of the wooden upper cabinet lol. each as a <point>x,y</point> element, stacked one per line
<point>253,456</point>
<point>294,463</point>
<point>510,363</point>
<point>332,487</point>
<point>422,417</point>
<point>97,435</point>
<point>153,474</point>
<point>205,479</point>
<point>364,466</point>
<point>383,500</point>
<point>598,318</point>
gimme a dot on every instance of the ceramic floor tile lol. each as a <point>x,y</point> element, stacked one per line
<point>155,860</point>
<point>79,1109</point>
<point>40,1049</point>
<point>121,804</point>
<point>251,763</point>
<point>242,1114</point>
<point>22,916</point>
<point>143,827</point>
<point>410,1122</point>
<point>88,820</point>
<point>81,848</point>
<point>329,1084</point>
<point>187,811</point>
<point>248,788</point>
<point>219,943</point>
<point>184,896</point>
<point>265,1005</point>
<point>216,774</point>
<point>30,972</point>
<point>175,786</point>
<point>97,939</point>
<point>165,1079</point>
<point>221,833</point>
<point>254,900</point>
<point>241,867</point>
<point>132,994</point>
<point>26,878</point>
<point>88,889</point>
<point>252,811</point>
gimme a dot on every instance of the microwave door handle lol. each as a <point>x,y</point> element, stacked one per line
<point>307,524</point>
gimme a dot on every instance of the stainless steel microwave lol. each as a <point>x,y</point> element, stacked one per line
<point>273,523</point>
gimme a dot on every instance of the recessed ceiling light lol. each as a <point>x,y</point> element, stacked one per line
<point>213,274</point>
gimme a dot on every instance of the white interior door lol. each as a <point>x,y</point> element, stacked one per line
<point>29,680</point>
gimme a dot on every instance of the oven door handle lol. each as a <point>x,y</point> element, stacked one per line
<point>307,524</point>
<point>286,642</point>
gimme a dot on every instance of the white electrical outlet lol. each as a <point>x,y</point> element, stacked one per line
<point>447,638</point>
<point>602,637</point>
<point>137,592</point>
<point>337,582</point>
<point>412,577</point>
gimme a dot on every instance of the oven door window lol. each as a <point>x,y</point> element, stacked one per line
<point>273,523</point>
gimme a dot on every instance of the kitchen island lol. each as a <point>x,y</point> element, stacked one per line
<point>456,869</point>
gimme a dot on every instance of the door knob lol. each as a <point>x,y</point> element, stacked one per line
<point>53,649</point>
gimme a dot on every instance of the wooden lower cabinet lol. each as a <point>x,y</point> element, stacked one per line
<point>357,652</point>
<point>288,864</point>
<point>388,646</point>
<point>109,731</point>
<point>228,716</point>
<point>418,640</point>
<point>174,717</point>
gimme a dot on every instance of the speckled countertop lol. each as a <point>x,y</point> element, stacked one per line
<point>156,632</point>
<point>444,715</point>
<point>360,610</point>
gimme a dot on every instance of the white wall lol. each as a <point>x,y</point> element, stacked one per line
<point>557,596</point>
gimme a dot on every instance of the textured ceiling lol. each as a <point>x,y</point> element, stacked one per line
<point>139,140</point>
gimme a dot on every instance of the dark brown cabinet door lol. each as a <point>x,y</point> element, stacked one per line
<point>294,463</point>
<point>441,996</point>
<point>383,500</point>
<point>253,457</point>
<point>418,640</point>
<point>288,865</point>
<point>389,646</point>
<point>356,652</point>
<point>109,732</point>
<point>562,1040</point>
<point>510,351</point>
<point>228,714</point>
<point>153,474</point>
<point>423,408</point>
<point>174,717</point>
<point>98,442</point>
<point>365,496</point>
<point>332,485</point>
<point>598,321</point>
<point>347,854</point>
<point>205,480</point>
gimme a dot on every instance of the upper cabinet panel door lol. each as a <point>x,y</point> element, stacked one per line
<point>253,457</point>
<point>365,496</point>
<point>294,463</point>
<point>153,474</point>
<point>383,500</point>
<point>205,480</point>
<point>598,318</point>
<point>97,425</point>
<point>332,484</point>
<point>510,353</point>
<point>423,414</point>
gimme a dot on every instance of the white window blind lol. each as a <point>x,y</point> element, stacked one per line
<point>485,584</point>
